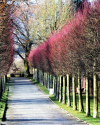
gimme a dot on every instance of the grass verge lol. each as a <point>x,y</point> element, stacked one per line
<point>3,101</point>
<point>80,115</point>
<point>40,86</point>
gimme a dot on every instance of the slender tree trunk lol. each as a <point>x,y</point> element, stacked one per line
<point>60,90</point>
<point>64,90</point>
<point>57,83</point>
<point>27,69</point>
<point>6,78</point>
<point>55,87</point>
<point>80,94</point>
<point>74,93</point>
<point>41,77</point>
<point>68,92</point>
<point>95,97</point>
<point>4,82</point>
<point>53,84</point>
<point>37,75</point>
<point>33,73</point>
<point>87,96</point>
<point>44,79</point>
<point>48,81</point>
<point>0,87</point>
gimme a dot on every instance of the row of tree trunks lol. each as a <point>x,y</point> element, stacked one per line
<point>61,83</point>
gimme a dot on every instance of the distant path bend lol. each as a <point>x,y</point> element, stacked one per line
<point>30,106</point>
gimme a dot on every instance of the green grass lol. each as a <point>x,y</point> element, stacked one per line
<point>43,88</point>
<point>81,115</point>
<point>3,101</point>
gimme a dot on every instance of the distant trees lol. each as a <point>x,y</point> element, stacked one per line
<point>23,13</point>
<point>49,16</point>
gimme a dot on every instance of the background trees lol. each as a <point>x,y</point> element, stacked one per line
<point>23,13</point>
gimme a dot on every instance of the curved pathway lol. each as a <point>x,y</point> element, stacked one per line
<point>30,106</point>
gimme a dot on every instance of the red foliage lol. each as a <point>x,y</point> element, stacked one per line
<point>75,47</point>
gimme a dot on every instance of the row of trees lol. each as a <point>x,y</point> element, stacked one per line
<point>74,49</point>
<point>6,40</point>
<point>6,43</point>
<point>34,22</point>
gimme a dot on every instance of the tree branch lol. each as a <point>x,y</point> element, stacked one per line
<point>19,54</point>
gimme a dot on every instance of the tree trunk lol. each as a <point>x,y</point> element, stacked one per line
<point>33,73</point>
<point>48,81</point>
<point>74,93</point>
<point>60,90</point>
<point>55,87</point>
<point>37,76</point>
<point>68,92</point>
<point>87,97</point>
<point>4,82</point>
<point>27,69</point>
<point>64,90</point>
<point>57,84</point>
<point>95,97</point>
<point>41,77</point>
<point>80,94</point>
<point>0,87</point>
<point>44,79</point>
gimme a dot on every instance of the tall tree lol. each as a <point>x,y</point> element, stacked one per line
<point>6,39</point>
<point>23,13</point>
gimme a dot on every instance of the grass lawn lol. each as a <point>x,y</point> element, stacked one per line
<point>45,90</point>
<point>82,115</point>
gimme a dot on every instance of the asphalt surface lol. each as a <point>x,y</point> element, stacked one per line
<point>27,105</point>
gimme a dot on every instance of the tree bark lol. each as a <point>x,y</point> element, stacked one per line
<point>44,79</point>
<point>80,94</point>
<point>48,81</point>
<point>64,90</point>
<point>27,69</point>
<point>55,87</point>
<point>41,77</point>
<point>60,90</point>
<point>68,92</point>
<point>74,93</point>
<point>57,84</point>
<point>87,97</point>
<point>95,97</point>
<point>33,73</point>
<point>0,87</point>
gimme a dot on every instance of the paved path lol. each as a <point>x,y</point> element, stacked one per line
<point>29,106</point>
